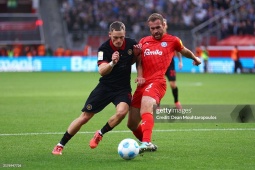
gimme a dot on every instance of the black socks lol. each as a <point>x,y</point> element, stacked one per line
<point>65,138</point>
<point>106,128</point>
<point>175,94</point>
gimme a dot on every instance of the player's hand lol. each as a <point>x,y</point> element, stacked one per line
<point>140,81</point>
<point>180,65</point>
<point>196,61</point>
<point>137,49</point>
<point>115,57</point>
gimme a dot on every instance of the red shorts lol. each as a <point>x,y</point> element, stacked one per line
<point>156,90</point>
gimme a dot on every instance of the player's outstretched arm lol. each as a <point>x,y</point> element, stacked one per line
<point>187,53</point>
<point>179,56</point>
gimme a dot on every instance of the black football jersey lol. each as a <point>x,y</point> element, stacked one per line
<point>119,77</point>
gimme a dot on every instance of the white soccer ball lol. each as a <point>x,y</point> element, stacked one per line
<point>128,149</point>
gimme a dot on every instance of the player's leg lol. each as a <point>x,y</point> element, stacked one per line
<point>171,76</point>
<point>121,111</point>
<point>122,101</point>
<point>151,97</point>
<point>96,101</point>
<point>147,123</point>
<point>73,128</point>
<point>175,93</point>
<point>134,119</point>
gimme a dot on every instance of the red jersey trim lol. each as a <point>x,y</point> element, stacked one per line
<point>98,63</point>
<point>122,47</point>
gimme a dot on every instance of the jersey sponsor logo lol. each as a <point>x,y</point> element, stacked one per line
<point>148,52</point>
<point>163,44</point>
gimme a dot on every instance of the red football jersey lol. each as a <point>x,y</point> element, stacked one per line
<point>157,54</point>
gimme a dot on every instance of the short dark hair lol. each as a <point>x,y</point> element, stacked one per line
<point>155,16</point>
<point>117,26</point>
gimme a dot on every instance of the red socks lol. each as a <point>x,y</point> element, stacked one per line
<point>147,126</point>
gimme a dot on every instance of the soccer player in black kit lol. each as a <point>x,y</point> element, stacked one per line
<point>115,58</point>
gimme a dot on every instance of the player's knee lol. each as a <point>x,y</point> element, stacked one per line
<point>173,85</point>
<point>85,117</point>
<point>121,114</point>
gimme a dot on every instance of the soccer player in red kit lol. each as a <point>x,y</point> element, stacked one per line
<point>157,52</point>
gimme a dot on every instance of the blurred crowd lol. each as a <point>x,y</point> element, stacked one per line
<point>96,15</point>
<point>16,50</point>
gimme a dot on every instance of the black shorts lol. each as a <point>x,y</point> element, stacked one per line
<point>170,73</point>
<point>101,96</point>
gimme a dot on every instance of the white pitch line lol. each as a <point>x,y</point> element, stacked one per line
<point>126,131</point>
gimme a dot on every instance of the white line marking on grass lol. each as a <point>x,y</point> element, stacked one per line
<point>191,83</point>
<point>126,131</point>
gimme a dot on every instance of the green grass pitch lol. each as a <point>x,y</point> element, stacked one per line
<point>36,109</point>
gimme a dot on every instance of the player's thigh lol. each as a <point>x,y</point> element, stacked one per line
<point>147,104</point>
<point>98,99</point>
<point>171,73</point>
<point>154,91</point>
<point>136,100</point>
<point>122,96</point>
<point>122,108</point>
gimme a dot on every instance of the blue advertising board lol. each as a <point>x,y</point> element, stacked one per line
<point>89,64</point>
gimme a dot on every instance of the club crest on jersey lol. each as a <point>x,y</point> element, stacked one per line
<point>129,52</point>
<point>163,44</point>
<point>89,106</point>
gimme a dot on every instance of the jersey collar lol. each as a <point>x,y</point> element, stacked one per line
<point>121,48</point>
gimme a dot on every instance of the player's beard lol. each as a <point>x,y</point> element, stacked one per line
<point>157,36</point>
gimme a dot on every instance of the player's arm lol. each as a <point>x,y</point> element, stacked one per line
<point>179,56</point>
<point>187,53</point>
<point>137,52</point>
<point>139,79</point>
<point>106,68</point>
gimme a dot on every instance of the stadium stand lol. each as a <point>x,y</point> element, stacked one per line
<point>73,24</point>
<point>84,16</point>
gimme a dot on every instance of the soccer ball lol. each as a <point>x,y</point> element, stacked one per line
<point>128,149</point>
